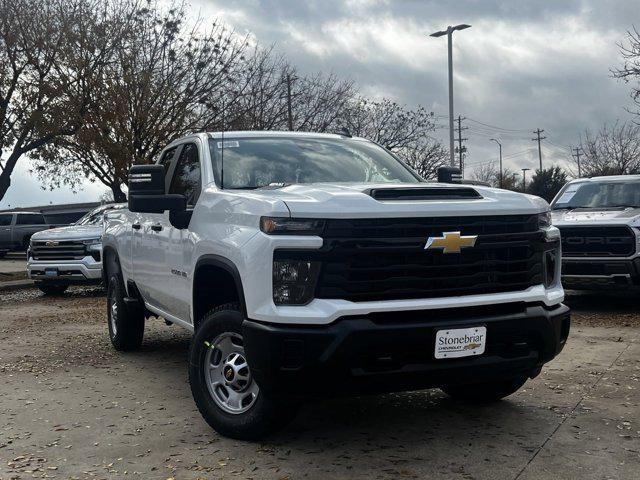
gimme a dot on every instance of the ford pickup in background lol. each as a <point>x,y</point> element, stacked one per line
<point>71,255</point>
<point>314,264</point>
<point>599,220</point>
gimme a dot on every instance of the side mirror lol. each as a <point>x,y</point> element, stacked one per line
<point>449,175</point>
<point>146,191</point>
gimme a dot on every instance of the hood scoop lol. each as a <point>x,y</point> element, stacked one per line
<point>426,193</point>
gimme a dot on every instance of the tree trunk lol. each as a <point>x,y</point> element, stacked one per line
<point>5,175</point>
<point>118,194</point>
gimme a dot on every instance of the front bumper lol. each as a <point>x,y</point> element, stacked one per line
<point>85,271</point>
<point>394,351</point>
<point>589,273</point>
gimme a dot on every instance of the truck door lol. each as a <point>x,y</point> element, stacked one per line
<point>149,244</point>
<point>176,274</point>
<point>6,219</point>
<point>26,225</point>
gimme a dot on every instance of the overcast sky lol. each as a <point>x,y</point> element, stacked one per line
<point>523,65</point>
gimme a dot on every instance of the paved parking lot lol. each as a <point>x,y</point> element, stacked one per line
<point>74,408</point>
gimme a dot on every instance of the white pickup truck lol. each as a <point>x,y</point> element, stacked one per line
<point>311,264</point>
<point>599,219</point>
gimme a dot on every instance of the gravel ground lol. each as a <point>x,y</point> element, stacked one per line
<point>74,408</point>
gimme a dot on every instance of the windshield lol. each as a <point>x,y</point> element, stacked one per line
<point>94,217</point>
<point>598,195</point>
<point>260,162</point>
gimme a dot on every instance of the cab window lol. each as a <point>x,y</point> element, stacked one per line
<point>5,220</point>
<point>30,219</point>
<point>186,178</point>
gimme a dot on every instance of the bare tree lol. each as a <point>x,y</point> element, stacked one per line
<point>425,156</point>
<point>487,173</point>
<point>47,70</point>
<point>165,79</point>
<point>630,71</point>
<point>614,150</point>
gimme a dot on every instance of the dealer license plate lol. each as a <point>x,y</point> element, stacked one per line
<point>51,272</point>
<point>460,342</point>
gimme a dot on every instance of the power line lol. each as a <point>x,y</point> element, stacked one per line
<point>496,127</point>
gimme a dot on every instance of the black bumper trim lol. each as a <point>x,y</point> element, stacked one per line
<point>360,354</point>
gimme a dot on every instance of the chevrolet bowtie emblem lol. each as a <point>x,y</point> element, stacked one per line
<point>451,242</point>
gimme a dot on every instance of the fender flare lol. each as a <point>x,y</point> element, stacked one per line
<point>226,265</point>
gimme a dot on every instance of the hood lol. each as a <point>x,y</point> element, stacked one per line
<point>72,232</point>
<point>608,216</point>
<point>355,201</point>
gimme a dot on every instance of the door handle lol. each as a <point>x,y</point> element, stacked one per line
<point>136,226</point>
<point>156,228</point>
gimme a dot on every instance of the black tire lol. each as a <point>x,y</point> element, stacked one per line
<point>126,323</point>
<point>48,289</point>
<point>485,392</point>
<point>266,415</point>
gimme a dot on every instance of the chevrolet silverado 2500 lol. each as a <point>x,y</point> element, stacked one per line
<point>70,255</point>
<point>313,264</point>
<point>599,221</point>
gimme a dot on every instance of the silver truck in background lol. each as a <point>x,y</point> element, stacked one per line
<point>72,255</point>
<point>599,220</point>
<point>16,229</point>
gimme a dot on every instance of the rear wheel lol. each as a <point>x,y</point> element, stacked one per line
<point>226,394</point>
<point>52,289</point>
<point>126,324</point>
<point>485,392</point>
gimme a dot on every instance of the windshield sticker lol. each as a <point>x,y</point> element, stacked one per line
<point>566,196</point>
<point>229,144</point>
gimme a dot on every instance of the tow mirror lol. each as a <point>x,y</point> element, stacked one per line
<point>449,175</point>
<point>146,191</point>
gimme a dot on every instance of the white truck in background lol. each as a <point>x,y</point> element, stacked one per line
<point>314,264</point>
<point>599,219</point>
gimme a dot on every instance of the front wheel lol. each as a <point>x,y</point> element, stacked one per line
<point>126,324</point>
<point>485,392</point>
<point>225,393</point>
<point>52,289</point>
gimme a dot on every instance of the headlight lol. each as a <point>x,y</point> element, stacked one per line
<point>294,281</point>
<point>291,226</point>
<point>544,220</point>
<point>93,247</point>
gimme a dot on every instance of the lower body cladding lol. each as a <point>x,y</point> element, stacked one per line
<point>395,351</point>
<point>589,273</point>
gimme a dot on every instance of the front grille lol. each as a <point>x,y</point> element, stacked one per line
<point>594,241</point>
<point>385,259</point>
<point>64,250</point>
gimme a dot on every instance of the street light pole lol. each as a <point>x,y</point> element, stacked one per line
<point>500,146</point>
<point>524,179</point>
<point>449,33</point>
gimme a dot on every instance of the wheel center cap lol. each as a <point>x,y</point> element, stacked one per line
<point>228,373</point>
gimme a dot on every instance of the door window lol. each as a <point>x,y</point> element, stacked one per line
<point>30,219</point>
<point>167,161</point>
<point>186,178</point>
<point>5,220</point>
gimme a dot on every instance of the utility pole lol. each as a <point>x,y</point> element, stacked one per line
<point>449,33</point>
<point>461,150</point>
<point>539,139</point>
<point>578,153</point>
<point>289,109</point>
<point>500,147</point>
<point>524,179</point>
